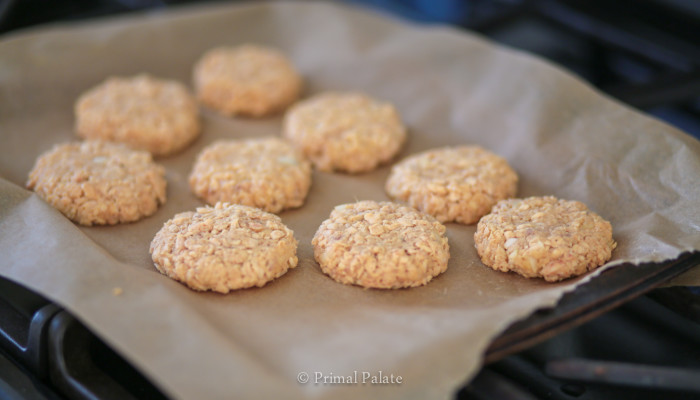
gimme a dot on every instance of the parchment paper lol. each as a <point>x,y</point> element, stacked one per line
<point>562,137</point>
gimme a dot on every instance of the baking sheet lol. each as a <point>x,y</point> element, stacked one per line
<point>451,87</point>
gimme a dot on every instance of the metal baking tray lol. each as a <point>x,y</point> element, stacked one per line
<point>605,292</point>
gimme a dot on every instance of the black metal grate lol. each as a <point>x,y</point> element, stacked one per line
<point>642,350</point>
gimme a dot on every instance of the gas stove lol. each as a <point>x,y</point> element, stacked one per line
<point>639,343</point>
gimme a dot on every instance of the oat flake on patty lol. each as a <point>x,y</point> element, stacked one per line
<point>224,248</point>
<point>544,237</point>
<point>381,245</point>
<point>99,183</point>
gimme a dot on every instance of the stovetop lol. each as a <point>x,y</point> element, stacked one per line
<point>642,52</point>
<point>649,348</point>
